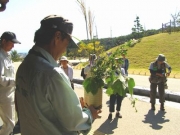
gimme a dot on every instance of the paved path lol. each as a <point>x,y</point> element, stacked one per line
<point>143,122</point>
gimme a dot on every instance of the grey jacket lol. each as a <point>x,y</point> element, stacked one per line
<point>47,105</point>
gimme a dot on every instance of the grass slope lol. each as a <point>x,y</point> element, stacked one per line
<point>145,52</point>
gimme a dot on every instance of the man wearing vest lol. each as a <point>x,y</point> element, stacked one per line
<point>158,78</point>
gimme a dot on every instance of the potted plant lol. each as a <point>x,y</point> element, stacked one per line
<point>104,73</point>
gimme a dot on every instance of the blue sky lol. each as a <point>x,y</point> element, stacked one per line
<point>112,17</point>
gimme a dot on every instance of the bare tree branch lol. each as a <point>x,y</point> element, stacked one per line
<point>175,18</point>
<point>82,5</point>
<point>91,23</point>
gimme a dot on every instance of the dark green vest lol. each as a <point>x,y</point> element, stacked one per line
<point>162,70</point>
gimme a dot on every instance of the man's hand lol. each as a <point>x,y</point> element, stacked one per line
<point>81,99</point>
<point>94,112</point>
<point>158,74</point>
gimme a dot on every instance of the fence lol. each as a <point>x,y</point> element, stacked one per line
<point>171,26</point>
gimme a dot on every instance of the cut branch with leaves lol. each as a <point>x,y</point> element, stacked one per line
<point>106,71</point>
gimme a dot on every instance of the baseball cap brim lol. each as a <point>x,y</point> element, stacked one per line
<point>15,41</point>
<point>72,44</point>
<point>10,36</point>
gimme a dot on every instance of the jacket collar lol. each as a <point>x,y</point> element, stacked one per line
<point>46,55</point>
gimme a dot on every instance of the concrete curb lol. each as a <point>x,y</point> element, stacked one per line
<point>169,96</point>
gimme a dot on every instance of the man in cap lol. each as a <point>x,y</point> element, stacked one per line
<point>7,83</point>
<point>158,78</point>
<point>47,105</point>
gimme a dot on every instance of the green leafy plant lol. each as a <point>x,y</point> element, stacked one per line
<point>107,72</point>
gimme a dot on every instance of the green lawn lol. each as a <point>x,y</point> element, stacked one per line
<point>148,49</point>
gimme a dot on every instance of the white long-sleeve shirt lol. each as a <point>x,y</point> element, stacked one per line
<point>69,72</point>
<point>47,104</point>
<point>7,80</point>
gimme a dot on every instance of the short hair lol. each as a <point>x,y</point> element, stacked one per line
<point>43,37</point>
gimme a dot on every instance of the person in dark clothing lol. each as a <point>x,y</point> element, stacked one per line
<point>157,78</point>
<point>125,64</point>
<point>116,98</point>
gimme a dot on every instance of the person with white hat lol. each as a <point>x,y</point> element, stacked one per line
<point>64,64</point>
<point>157,78</point>
<point>7,83</point>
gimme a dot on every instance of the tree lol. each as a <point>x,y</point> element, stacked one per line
<point>137,28</point>
<point>176,19</point>
<point>15,56</point>
<point>86,49</point>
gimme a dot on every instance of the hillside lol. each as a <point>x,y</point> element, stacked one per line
<point>148,49</point>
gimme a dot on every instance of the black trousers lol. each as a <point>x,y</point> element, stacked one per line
<point>115,98</point>
<point>153,91</point>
